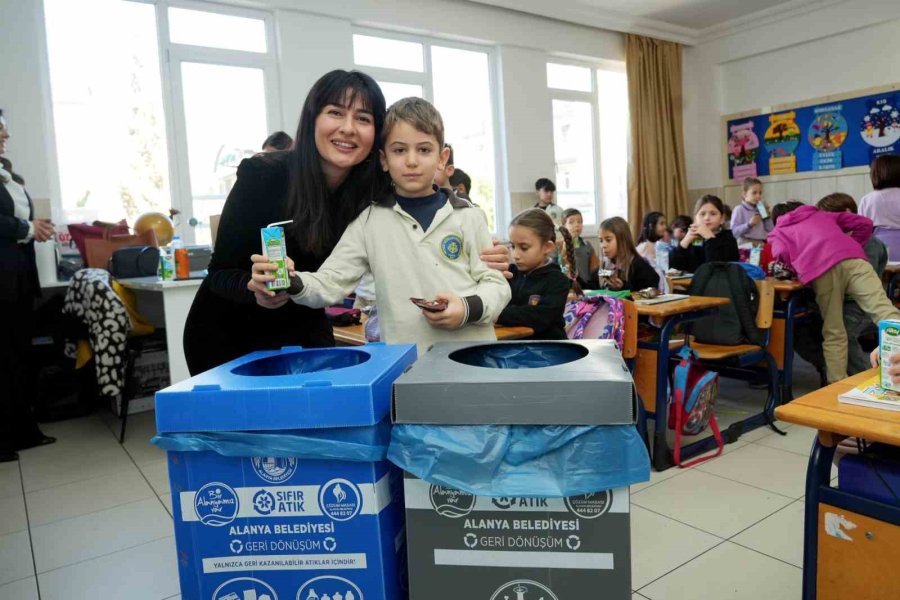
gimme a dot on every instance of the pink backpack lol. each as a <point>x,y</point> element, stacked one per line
<point>596,318</point>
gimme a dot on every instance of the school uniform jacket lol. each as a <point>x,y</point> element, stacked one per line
<point>410,263</point>
<point>538,301</point>
<point>721,248</point>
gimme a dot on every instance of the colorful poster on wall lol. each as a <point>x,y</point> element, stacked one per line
<point>743,146</point>
<point>824,130</point>
<point>826,134</point>
<point>880,127</point>
<point>781,140</point>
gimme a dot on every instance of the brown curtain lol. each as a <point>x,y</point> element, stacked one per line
<point>656,173</point>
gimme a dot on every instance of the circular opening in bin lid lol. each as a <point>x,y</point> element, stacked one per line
<point>519,356</point>
<point>297,363</point>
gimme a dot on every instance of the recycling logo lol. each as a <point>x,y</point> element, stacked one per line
<point>263,502</point>
<point>329,544</point>
<point>573,542</point>
<point>470,540</point>
<point>236,546</point>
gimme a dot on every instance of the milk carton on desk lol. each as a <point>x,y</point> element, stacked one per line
<point>888,343</point>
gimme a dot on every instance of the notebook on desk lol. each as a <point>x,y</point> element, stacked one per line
<point>871,394</point>
<point>660,299</point>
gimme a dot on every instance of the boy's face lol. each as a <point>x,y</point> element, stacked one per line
<point>412,158</point>
<point>678,233</point>
<point>545,196</point>
<point>575,225</point>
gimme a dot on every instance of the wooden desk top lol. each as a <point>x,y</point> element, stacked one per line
<point>821,410</point>
<point>779,285</point>
<point>677,307</point>
<point>355,335</point>
<point>892,267</point>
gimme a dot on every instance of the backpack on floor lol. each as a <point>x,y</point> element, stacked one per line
<point>596,318</point>
<point>693,404</point>
<point>733,323</point>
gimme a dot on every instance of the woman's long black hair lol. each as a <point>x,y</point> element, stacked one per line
<point>320,216</point>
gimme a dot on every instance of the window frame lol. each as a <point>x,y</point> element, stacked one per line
<point>171,57</point>
<point>591,97</point>
<point>502,208</point>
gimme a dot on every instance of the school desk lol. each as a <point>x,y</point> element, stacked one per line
<point>355,335</point>
<point>781,336</point>
<point>835,567</point>
<point>652,379</point>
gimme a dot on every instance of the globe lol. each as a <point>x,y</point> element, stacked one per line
<point>159,223</point>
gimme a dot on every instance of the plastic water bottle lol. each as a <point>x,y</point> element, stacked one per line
<point>182,261</point>
<point>662,256</point>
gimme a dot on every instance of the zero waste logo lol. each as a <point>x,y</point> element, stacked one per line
<point>216,504</point>
<point>340,499</point>
<point>274,469</point>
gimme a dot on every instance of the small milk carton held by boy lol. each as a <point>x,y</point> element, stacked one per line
<point>274,247</point>
<point>888,343</point>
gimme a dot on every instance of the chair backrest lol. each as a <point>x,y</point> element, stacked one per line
<point>766,308</point>
<point>629,344</point>
<point>98,251</point>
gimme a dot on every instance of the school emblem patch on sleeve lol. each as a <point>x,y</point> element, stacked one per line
<point>451,246</point>
<point>534,300</point>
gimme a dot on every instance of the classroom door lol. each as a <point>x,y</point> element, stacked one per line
<point>222,115</point>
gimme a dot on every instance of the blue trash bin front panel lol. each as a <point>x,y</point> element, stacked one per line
<point>286,528</point>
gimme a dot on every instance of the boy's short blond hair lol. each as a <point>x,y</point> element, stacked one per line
<point>419,113</point>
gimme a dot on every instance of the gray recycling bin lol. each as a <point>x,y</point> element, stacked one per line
<point>512,490</point>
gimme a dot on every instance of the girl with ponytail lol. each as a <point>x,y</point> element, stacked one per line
<point>539,287</point>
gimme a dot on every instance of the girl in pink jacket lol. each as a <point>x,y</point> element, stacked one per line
<point>817,246</point>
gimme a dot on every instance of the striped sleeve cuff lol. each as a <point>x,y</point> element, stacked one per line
<point>474,309</point>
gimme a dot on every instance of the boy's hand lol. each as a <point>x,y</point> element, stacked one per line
<point>260,274</point>
<point>452,317</point>
<point>497,257</point>
<point>893,369</point>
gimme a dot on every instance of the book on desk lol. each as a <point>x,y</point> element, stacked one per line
<point>870,393</point>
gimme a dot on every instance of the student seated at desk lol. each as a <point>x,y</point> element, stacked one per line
<point>628,269</point>
<point>539,288</point>
<point>706,240</point>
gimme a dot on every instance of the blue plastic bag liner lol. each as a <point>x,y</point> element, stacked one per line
<point>752,271</point>
<point>291,388</point>
<point>521,356</point>
<point>359,444</point>
<point>521,460</point>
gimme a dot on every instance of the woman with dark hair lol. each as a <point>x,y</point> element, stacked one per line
<point>883,204</point>
<point>18,269</point>
<point>321,184</point>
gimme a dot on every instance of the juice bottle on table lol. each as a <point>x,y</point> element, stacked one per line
<point>182,262</point>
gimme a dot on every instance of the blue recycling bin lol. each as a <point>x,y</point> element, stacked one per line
<point>280,486</point>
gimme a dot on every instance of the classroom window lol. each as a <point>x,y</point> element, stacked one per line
<point>213,30</point>
<point>590,139</point>
<point>134,134</point>
<point>457,79</point>
<point>108,109</point>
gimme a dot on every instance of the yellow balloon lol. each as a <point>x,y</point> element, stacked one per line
<point>159,223</point>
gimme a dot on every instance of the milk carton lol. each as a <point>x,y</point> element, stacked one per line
<point>274,248</point>
<point>888,343</point>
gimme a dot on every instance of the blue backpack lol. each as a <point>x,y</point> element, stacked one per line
<point>693,403</point>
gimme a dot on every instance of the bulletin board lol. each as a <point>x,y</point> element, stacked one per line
<point>821,135</point>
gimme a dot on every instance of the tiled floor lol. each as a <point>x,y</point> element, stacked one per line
<point>86,518</point>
